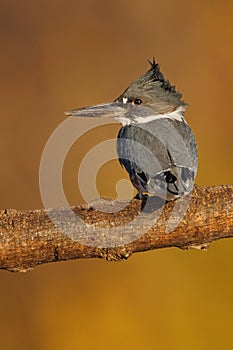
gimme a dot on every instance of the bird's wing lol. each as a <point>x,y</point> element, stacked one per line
<point>159,155</point>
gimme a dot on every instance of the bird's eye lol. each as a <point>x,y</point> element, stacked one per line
<point>137,101</point>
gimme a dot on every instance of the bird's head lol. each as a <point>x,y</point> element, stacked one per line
<point>147,98</point>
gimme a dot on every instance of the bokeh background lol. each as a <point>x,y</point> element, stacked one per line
<point>56,55</point>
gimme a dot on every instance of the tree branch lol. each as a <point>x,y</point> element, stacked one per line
<point>28,238</point>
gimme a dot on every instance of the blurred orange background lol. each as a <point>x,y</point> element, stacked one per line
<point>56,55</point>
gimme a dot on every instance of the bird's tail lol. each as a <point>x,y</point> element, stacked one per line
<point>172,183</point>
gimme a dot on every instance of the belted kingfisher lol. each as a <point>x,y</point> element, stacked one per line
<point>155,144</point>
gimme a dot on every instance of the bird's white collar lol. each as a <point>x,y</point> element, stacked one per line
<point>178,115</point>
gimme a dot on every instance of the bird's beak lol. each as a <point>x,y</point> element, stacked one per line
<point>110,110</point>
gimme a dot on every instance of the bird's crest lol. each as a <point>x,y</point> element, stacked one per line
<point>155,74</point>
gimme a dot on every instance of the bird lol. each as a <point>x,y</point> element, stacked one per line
<point>155,144</point>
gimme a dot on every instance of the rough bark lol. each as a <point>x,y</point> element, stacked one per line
<point>28,238</point>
